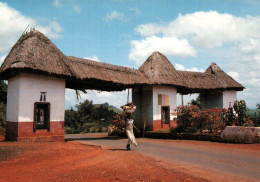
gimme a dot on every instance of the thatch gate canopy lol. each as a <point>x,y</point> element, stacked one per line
<point>35,53</point>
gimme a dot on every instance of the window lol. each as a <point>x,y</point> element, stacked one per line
<point>41,116</point>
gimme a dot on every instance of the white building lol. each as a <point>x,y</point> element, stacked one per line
<point>155,102</point>
<point>35,106</point>
<point>38,73</point>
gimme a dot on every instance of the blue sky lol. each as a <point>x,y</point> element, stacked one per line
<point>192,34</point>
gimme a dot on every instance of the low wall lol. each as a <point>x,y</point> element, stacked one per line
<point>184,136</point>
<point>231,134</point>
<point>240,134</point>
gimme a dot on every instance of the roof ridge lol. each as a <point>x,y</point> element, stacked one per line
<point>101,64</point>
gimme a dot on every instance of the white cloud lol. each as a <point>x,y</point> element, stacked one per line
<point>206,29</point>
<point>115,15</point>
<point>186,99</point>
<point>52,30</point>
<point>152,29</point>
<point>68,4</point>
<point>233,74</point>
<point>13,24</point>
<point>236,40</point>
<point>247,65</point>
<point>171,46</point>
<point>70,98</point>
<point>116,99</point>
<point>182,68</point>
<point>2,58</point>
<point>200,29</point>
<point>195,69</point>
<point>104,94</point>
<point>179,67</point>
<point>94,58</point>
<point>249,77</point>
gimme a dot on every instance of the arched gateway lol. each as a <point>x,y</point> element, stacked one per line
<point>38,73</point>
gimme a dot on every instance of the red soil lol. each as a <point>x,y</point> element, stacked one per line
<point>73,161</point>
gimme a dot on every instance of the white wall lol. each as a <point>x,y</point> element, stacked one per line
<point>24,90</point>
<point>229,96</point>
<point>13,89</point>
<point>171,92</point>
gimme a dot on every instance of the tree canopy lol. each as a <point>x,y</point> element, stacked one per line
<point>3,100</point>
<point>3,92</point>
<point>87,112</point>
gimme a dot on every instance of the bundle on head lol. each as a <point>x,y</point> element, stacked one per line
<point>129,106</point>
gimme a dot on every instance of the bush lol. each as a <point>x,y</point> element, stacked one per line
<point>86,130</point>
<point>215,119</point>
<point>240,109</point>
<point>256,121</point>
<point>103,129</point>
<point>91,130</point>
<point>230,117</point>
<point>186,118</point>
<point>119,122</point>
<point>191,119</point>
<point>71,130</point>
<point>97,130</point>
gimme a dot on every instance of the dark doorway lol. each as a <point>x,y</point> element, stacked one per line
<point>41,116</point>
<point>165,116</point>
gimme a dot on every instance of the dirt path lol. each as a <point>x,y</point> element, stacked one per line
<point>208,160</point>
<point>72,161</point>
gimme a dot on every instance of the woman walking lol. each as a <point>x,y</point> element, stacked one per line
<point>129,131</point>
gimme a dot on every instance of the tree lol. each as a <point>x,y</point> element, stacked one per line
<point>104,115</point>
<point>3,92</point>
<point>196,102</point>
<point>3,100</point>
<point>258,105</point>
<point>71,118</point>
<point>240,109</point>
<point>85,112</point>
<point>2,114</point>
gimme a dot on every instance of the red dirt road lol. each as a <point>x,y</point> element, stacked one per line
<point>72,161</point>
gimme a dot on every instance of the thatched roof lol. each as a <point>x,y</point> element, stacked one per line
<point>35,53</point>
<point>223,80</point>
<point>159,70</point>
<point>102,76</point>
<point>197,82</point>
